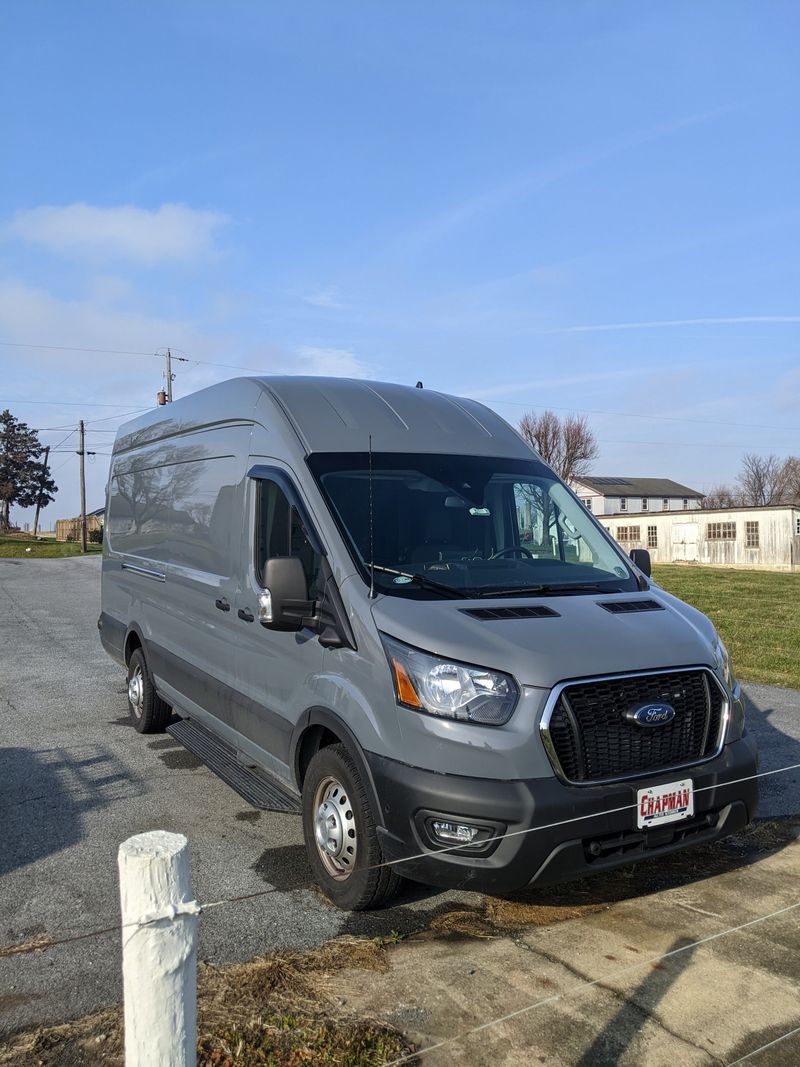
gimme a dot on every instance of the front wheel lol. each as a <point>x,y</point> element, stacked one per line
<point>342,844</point>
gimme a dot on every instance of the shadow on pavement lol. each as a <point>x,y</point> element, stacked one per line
<point>45,793</point>
<point>640,1003</point>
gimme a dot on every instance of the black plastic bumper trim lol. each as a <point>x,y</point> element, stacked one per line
<point>553,853</point>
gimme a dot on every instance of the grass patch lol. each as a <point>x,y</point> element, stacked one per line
<point>755,613</point>
<point>21,546</point>
<point>276,1011</point>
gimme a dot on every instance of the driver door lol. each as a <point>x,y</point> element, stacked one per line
<point>275,669</point>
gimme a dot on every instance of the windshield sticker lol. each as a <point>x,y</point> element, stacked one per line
<point>402,579</point>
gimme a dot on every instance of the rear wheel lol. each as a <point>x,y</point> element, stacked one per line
<point>148,712</point>
<point>342,844</point>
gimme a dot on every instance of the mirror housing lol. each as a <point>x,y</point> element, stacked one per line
<point>641,557</point>
<point>283,604</point>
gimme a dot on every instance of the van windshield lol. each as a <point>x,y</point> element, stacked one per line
<point>466,526</point>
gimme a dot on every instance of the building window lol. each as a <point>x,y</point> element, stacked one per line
<point>644,503</point>
<point>685,503</point>
<point>797,526</point>
<point>588,503</point>
<point>751,535</point>
<point>652,537</point>
<point>721,531</point>
<point>628,533</point>
<point>623,503</point>
<point>665,504</point>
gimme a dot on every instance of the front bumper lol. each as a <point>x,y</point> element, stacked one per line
<point>587,839</point>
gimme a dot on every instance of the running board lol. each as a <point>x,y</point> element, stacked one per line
<point>254,785</point>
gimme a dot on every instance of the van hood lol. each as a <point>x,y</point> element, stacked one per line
<point>583,640</point>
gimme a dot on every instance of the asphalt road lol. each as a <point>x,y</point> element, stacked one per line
<point>76,780</point>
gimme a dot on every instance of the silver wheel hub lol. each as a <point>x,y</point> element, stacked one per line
<point>136,691</point>
<point>335,828</point>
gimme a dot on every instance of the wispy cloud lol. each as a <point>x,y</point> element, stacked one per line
<point>169,234</point>
<point>539,384</point>
<point>658,324</point>
<point>337,362</point>
<point>533,180</point>
<point>325,298</point>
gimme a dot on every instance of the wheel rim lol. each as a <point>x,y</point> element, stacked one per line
<point>136,691</point>
<point>335,828</point>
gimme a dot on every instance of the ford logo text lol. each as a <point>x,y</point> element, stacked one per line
<point>651,715</point>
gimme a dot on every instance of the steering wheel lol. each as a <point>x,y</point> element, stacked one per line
<point>511,550</point>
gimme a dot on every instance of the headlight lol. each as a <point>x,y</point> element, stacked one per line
<point>722,661</point>
<point>450,689</point>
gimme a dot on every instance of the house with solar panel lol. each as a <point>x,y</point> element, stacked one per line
<point>614,496</point>
<point>668,519</point>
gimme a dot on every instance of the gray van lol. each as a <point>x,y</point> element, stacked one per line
<point>376,606</point>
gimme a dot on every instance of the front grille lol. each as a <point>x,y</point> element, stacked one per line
<point>590,739</point>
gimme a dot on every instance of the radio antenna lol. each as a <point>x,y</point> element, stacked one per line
<point>371,530</point>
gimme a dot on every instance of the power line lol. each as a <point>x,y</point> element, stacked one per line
<point>514,403</point>
<point>639,415</point>
<point>74,404</point>
<point>77,348</point>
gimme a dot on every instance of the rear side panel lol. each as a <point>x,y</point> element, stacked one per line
<point>175,512</point>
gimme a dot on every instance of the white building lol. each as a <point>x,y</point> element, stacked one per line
<point>763,537</point>
<point>610,496</point>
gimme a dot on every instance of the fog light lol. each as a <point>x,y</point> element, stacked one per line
<point>454,833</point>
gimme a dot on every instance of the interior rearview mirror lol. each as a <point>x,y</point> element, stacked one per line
<point>641,557</point>
<point>283,604</point>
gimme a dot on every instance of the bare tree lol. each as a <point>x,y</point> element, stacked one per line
<point>791,478</point>
<point>722,496</point>
<point>567,445</point>
<point>762,479</point>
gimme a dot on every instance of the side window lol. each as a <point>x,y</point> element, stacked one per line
<point>280,532</point>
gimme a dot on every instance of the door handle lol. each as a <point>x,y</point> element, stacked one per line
<point>246,615</point>
<point>222,604</point>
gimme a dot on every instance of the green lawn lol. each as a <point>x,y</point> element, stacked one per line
<point>15,547</point>
<point>757,614</point>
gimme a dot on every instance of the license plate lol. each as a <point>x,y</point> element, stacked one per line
<point>660,804</point>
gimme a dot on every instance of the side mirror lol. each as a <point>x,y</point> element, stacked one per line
<point>641,557</point>
<point>284,603</point>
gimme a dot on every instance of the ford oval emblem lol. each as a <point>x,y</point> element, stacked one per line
<point>651,715</point>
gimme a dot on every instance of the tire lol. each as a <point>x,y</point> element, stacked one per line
<point>345,870</point>
<point>148,712</point>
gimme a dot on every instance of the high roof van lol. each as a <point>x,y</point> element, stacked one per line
<point>377,607</point>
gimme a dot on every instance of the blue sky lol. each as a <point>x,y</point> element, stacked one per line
<point>587,206</point>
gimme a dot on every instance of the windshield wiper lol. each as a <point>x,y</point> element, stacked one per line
<point>555,589</point>
<point>427,583</point>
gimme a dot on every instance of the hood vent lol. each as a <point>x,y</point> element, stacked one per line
<point>533,611</point>
<point>625,607</point>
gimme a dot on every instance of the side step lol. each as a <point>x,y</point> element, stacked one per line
<point>255,786</point>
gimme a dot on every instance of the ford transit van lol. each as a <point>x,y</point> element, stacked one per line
<point>377,607</point>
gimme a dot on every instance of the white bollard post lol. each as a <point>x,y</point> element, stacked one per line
<point>159,959</point>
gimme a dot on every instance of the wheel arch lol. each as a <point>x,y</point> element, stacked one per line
<point>134,639</point>
<point>319,727</point>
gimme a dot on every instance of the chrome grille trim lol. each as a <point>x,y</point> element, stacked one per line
<point>556,692</point>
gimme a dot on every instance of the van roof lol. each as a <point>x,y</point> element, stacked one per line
<point>337,415</point>
<point>340,414</point>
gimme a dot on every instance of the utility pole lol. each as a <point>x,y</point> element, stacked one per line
<point>81,453</point>
<point>41,488</point>
<point>170,378</point>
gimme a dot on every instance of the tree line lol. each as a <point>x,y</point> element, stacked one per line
<point>762,480</point>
